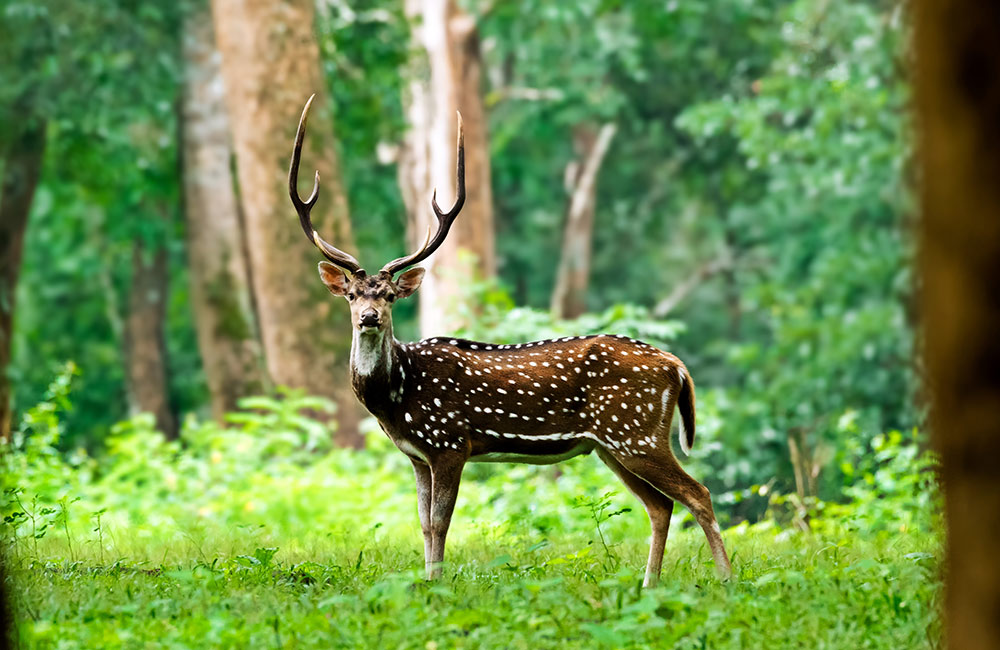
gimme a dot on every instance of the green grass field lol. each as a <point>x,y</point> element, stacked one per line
<point>254,537</point>
<point>790,590</point>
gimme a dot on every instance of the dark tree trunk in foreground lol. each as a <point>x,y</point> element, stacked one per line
<point>220,282</point>
<point>271,65</point>
<point>569,297</point>
<point>446,76</point>
<point>22,167</point>
<point>145,349</point>
<point>958,96</point>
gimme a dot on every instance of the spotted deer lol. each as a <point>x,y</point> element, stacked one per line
<point>447,401</point>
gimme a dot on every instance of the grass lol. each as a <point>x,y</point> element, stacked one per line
<point>251,536</point>
<point>790,590</point>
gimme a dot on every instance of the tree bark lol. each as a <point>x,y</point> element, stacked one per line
<point>958,99</point>
<point>220,281</point>
<point>271,65</point>
<point>446,76</point>
<point>22,168</point>
<point>569,296</point>
<point>145,347</point>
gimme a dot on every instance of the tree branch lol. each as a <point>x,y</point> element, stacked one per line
<point>588,175</point>
<point>689,284</point>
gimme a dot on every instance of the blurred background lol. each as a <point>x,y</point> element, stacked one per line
<point>727,180</point>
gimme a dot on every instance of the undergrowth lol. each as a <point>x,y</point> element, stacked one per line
<point>258,534</point>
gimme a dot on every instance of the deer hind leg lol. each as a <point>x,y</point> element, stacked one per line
<point>446,474</point>
<point>659,468</point>
<point>422,473</point>
<point>658,506</point>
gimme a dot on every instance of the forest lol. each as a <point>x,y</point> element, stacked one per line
<point>184,461</point>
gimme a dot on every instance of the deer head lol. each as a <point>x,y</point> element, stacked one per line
<point>370,297</point>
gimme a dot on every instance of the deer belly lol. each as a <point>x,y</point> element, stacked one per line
<point>536,453</point>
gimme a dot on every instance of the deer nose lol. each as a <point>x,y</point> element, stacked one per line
<point>369,318</point>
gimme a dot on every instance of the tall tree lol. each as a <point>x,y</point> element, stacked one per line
<point>270,63</point>
<point>220,281</point>
<point>445,77</point>
<point>958,97</point>
<point>21,169</point>
<point>569,297</point>
<point>145,347</point>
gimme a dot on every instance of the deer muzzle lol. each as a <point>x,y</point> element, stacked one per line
<point>369,318</point>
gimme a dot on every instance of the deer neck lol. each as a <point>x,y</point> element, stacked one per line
<point>372,352</point>
<point>376,372</point>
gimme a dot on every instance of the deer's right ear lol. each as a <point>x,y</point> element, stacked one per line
<point>335,280</point>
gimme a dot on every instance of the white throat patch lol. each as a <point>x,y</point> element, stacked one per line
<point>368,351</point>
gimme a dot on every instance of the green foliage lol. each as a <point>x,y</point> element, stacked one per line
<point>639,64</point>
<point>598,508</point>
<point>33,456</point>
<point>499,321</point>
<point>104,75</point>
<point>896,471</point>
<point>824,245</point>
<point>770,136</point>
<point>246,536</point>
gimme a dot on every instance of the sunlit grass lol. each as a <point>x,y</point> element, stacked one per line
<point>248,537</point>
<point>499,589</point>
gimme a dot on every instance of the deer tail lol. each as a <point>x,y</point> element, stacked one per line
<point>685,403</point>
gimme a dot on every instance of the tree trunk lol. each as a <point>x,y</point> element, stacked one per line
<point>271,65</point>
<point>220,282</point>
<point>22,167</point>
<point>446,77</point>
<point>958,97</point>
<point>569,297</point>
<point>145,348</point>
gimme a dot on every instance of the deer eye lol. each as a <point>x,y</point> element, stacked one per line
<point>390,297</point>
<point>351,296</point>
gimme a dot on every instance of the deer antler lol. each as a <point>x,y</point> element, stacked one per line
<point>445,219</point>
<point>335,255</point>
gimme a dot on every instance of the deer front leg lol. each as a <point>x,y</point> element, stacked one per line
<point>423,475</point>
<point>446,475</point>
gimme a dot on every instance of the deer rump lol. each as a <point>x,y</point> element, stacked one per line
<point>546,401</point>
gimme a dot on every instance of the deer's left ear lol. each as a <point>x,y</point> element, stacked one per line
<point>409,282</point>
<point>334,279</point>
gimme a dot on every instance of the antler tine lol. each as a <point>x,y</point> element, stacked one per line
<point>445,219</point>
<point>304,208</point>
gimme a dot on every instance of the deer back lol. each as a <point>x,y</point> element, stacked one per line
<point>486,398</point>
